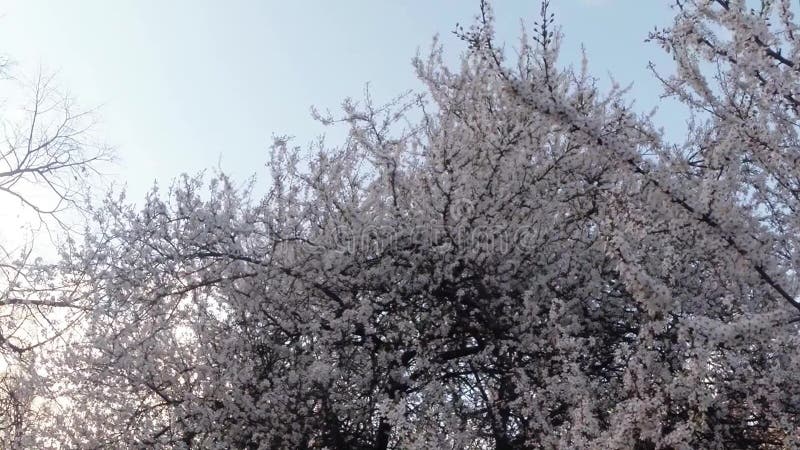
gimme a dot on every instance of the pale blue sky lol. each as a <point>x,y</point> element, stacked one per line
<point>183,85</point>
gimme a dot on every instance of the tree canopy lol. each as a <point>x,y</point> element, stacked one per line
<point>513,259</point>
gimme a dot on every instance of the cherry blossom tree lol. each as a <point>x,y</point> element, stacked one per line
<point>531,264</point>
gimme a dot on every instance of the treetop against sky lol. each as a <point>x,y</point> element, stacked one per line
<point>523,257</point>
<point>187,85</point>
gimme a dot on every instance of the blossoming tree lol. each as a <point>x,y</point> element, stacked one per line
<point>530,264</point>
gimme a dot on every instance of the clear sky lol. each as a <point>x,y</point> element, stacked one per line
<point>183,85</point>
